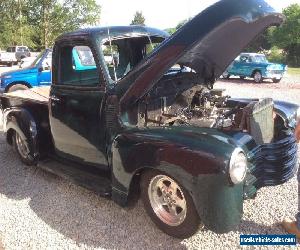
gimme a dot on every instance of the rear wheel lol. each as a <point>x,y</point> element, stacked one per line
<point>22,148</point>
<point>226,75</point>
<point>17,87</point>
<point>257,77</point>
<point>169,205</point>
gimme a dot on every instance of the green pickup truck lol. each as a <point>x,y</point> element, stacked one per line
<point>150,122</point>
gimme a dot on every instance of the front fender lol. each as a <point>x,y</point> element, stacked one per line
<point>21,121</point>
<point>196,157</point>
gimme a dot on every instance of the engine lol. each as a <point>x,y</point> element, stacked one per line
<point>180,100</point>
<point>197,106</point>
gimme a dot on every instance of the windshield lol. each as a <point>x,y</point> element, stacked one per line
<point>37,59</point>
<point>122,54</point>
<point>40,56</point>
<point>260,59</point>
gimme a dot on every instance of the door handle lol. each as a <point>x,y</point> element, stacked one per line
<point>54,98</point>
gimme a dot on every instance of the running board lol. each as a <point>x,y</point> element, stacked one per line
<point>85,176</point>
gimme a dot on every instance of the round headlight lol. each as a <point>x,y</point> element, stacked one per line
<point>237,166</point>
<point>298,115</point>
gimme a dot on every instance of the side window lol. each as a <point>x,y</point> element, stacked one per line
<point>77,66</point>
<point>243,59</point>
<point>47,63</point>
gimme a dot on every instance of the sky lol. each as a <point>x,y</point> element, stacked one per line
<point>161,13</point>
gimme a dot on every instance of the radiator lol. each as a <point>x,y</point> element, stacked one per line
<point>259,120</point>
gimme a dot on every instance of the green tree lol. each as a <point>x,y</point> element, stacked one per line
<point>14,27</point>
<point>178,26</point>
<point>287,36</point>
<point>38,22</point>
<point>138,19</point>
<point>261,42</point>
<point>54,17</point>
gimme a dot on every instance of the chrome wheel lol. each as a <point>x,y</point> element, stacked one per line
<point>167,200</point>
<point>22,146</point>
<point>225,75</point>
<point>257,77</point>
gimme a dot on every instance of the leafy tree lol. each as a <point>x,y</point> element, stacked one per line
<point>260,43</point>
<point>138,19</point>
<point>54,17</point>
<point>287,36</point>
<point>14,27</point>
<point>39,22</point>
<point>178,26</point>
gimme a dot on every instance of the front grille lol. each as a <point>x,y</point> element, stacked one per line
<point>274,163</point>
<point>277,72</point>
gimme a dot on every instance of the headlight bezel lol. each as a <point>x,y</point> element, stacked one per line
<point>297,115</point>
<point>236,175</point>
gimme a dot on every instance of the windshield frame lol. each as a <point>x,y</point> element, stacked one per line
<point>100,41</point>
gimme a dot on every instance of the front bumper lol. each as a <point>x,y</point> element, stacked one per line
<point>271,164</point>
<point>274,74</point>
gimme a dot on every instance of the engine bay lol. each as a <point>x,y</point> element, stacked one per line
<point>177,100</point>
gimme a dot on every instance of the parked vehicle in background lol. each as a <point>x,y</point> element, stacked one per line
<point>26,62</point>
<point>36,74</point>
<point>14,54</point>
<point>255,66</point>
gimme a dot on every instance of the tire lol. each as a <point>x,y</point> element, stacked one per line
<point>17,87</point>
<point>242,77</point>
<point>22,148</point>
<point>257,77</point>
<point>174,212</point>
<point>276,80</point>
<point>225,75</point>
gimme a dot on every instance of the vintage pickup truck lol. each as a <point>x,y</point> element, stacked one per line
<point>255,66</point>
<point>13,55</point>
<point>154,123</point>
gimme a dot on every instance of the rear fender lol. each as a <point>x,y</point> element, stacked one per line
<point>21,121</point>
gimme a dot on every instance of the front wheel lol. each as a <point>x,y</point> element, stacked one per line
<point>276,80</point>
<point>17,87</point>
<point>257,77</point>
<point>169,205</point>
<point>21,146</point>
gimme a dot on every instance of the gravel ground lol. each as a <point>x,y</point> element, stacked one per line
<point>41,211</point>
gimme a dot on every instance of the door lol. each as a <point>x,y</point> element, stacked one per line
<point>76,98</point>
<point>44,69</point>
<point>244,65</point>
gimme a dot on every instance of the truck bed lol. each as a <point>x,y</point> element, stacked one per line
<point>38,95</point>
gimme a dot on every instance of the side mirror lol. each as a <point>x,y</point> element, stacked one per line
<point>44,68</point>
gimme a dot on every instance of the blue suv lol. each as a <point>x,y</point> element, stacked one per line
<point>38,74</point>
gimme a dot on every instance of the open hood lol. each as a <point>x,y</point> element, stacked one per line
<point>208,44</point>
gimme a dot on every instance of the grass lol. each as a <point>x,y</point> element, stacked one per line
<point>294,71</point>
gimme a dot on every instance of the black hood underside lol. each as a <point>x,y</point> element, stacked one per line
<point>207,44</point>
